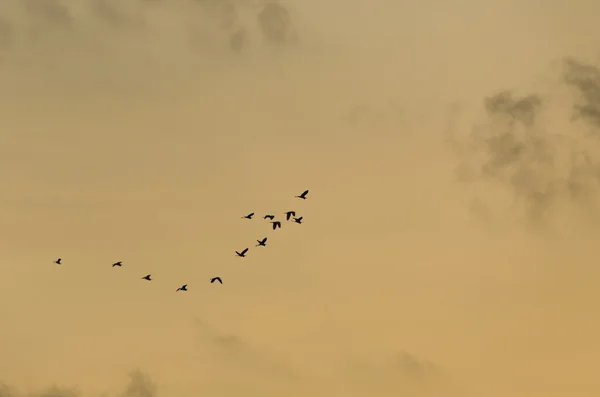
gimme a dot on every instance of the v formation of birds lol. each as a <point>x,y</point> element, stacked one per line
<point>290,216</point>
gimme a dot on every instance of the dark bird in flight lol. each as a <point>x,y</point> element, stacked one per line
<point>271,217</point>
<point>212,280</point>
<point>276,225</point>
<point>303,195</point>
<point>182,288</point>
<point>298,220</point>
<point>249,216</point>
<point>289,214</point>
<point>58,261</point>
<point>261,243</point>
<point>117,264</point>
<point>147,277</point>
<point>242,254</point>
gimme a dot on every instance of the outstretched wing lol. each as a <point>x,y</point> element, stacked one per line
<point>244,251</point>
<point>305,193</point>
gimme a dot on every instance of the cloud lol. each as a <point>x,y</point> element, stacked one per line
<point>276,24</point>
<point>585,80</point>
<point>235,353</point>
<point>139,385</point>
<point>534,152</point>
<point>398,372</point>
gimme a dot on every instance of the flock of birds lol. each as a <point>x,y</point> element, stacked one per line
<point>289,216</point>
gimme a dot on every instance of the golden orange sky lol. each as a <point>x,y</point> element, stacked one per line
<point>134,133</point>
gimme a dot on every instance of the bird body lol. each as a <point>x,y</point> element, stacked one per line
<point>276,225</point>
<point>289,214</point>
<point>117,264</point>
<point>261,243</point>
<point>303,195</point>
<point>58,261</point>
<point>212,280</point>
<point>298,220</point>
<point>182,288</point>
<point>271,217</point>
<point>147,277</point>
<point>249,216</point>
<point>242,254</point>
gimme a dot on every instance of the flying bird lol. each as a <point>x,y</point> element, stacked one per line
<point>298,220</point>
<point>182,288</point>
<point>261,243</point>
<point>242,254</point>
<point>271,217</point>
<point>117,264</point>
<point>58,261</point>
<point>212,280</point>
<point>147,277</point>
<point>289,214</point>
<point>303,195</point>
<point>249,216</point>
<point>276,225</point>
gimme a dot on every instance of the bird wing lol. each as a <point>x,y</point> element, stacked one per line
<point>251,214</point>
<point>305,193</point>
<point>244,251</point>
<point>264,240</point>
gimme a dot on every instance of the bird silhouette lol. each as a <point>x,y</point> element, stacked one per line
<point>249,216</point>
<point>289,214</point>
<point>276,225</point>
<point>147,277</point>
<point>271,217</point>
<point>242,254</point>
<point>303,195</point>
<point>212,280</point>
<point>298,220</point>
<point>58,261</point>
<point>261,243</point>
<point>117,264</point>
<point>182,288</point>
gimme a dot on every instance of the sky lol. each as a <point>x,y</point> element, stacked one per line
<point>448,240</point>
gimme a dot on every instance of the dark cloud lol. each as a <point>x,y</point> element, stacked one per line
<point>398,372</point>
<point>544,168</point>
<point>111,12</point>
<point>50,13</point>
<point>235,353</point>
<point>413,367</point>
<point>585,80</point>
<point>205,25</point>
<point>276,25</point>
<point>6,31</point>
<point>139,385</point>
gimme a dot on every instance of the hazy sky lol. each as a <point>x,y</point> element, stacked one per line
<point>448,244</point>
